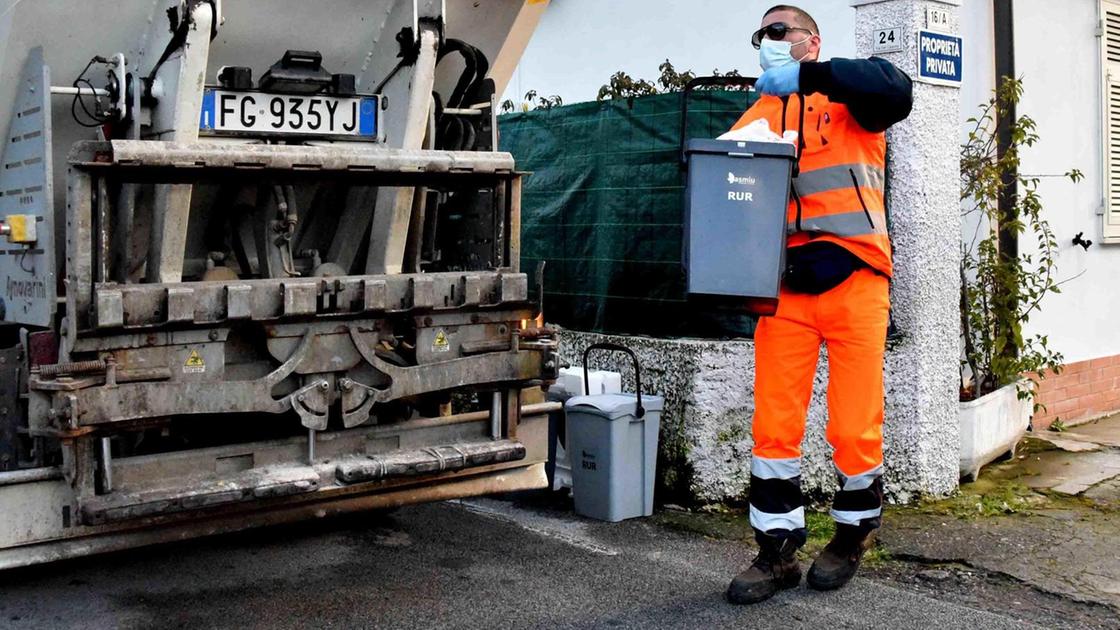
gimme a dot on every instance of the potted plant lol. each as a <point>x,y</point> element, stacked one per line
<point>1000,289</point>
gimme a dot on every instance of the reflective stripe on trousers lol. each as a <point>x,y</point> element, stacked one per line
<point>775,495</point>
<point>860,498</point>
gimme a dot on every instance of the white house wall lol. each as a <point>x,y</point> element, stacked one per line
<point>1061,74</point>
<point>1061,70</point>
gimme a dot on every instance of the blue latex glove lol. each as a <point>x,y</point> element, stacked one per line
<point>780,81</point>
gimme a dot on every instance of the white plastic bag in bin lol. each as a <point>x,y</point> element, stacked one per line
<point>759,131</point>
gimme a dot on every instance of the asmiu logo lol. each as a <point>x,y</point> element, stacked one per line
<point>732,178</point>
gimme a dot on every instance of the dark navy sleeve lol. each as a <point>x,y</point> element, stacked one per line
<point>876,92</point>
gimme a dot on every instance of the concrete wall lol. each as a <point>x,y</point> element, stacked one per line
<point>706,442</point>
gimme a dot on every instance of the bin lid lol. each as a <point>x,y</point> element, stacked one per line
<point>612,406</point>
<point>726,147</point>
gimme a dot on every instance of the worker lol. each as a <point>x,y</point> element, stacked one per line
<point>835,289</point>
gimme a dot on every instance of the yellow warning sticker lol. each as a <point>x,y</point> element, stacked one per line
<point>194,363</point>
<point>440,343</point>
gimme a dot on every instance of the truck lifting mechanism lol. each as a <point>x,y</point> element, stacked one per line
<point>259,262</point>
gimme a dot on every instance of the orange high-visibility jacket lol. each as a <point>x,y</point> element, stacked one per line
<point>838,192</point>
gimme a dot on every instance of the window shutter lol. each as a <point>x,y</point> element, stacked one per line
<point>1111,54</point>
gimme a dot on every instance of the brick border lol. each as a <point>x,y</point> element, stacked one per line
<point>1083,391</point>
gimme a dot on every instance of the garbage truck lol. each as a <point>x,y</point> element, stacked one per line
<point>259,263</point>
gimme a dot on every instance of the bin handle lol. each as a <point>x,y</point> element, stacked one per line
<point>704,82</point>
<point>639,410</point>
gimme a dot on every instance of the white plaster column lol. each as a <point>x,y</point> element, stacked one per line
<point>922,427</point>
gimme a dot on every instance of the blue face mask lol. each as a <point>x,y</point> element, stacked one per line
<point>774,54</point>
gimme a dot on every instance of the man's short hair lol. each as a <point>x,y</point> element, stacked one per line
<point>805,20</point>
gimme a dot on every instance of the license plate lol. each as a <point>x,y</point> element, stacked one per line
<point>260,113</point>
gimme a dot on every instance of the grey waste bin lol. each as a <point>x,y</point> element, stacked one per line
<point>735,226</point>
<point>612,446</point>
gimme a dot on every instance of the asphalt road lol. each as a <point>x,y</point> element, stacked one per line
<point>476,564</point>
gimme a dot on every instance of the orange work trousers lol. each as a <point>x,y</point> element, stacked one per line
<point>851,320</point>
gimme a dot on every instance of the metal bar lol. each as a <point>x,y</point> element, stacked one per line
<point>455,111</point>
<point>472,416</point>
<point>499,226</point>
<point>79,254</point>
<point>352,226</point>
<point>310,446</point>
<point>122,235</point>
<point>176,118</point>
<point>498,367</point>
<point>102,230</point>
<point>263,299</point>
<point>73,91</point>
<point>496,415</point>
<point>136,401</point>
<point>143,469</point>
<point>512,412</point>
<point>79,465</point>
<point>515,223</point>
<point>31,475</point>
<point>196,157</point>
<point>415,241</point>
<point>389,229</point>
<point>106,465</point>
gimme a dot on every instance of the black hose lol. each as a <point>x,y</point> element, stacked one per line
<point>467,78</point>
<point>454,133</point>
<point>482,68</point>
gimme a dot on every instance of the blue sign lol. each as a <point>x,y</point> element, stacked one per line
<point>939,58</point>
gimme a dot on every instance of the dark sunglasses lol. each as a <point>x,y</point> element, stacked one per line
<point>776,31</point>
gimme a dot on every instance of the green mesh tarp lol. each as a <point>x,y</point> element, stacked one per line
<point>604,208</point>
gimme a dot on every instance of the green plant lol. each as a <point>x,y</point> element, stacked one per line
<point>999,291</point>
<point>622,85</point>
<point>532,101</point>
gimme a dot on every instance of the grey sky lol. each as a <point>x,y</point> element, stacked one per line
<point>580,43</point>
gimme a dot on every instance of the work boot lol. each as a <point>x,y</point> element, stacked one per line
<point>840,558</point>
<point>774,569</point>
